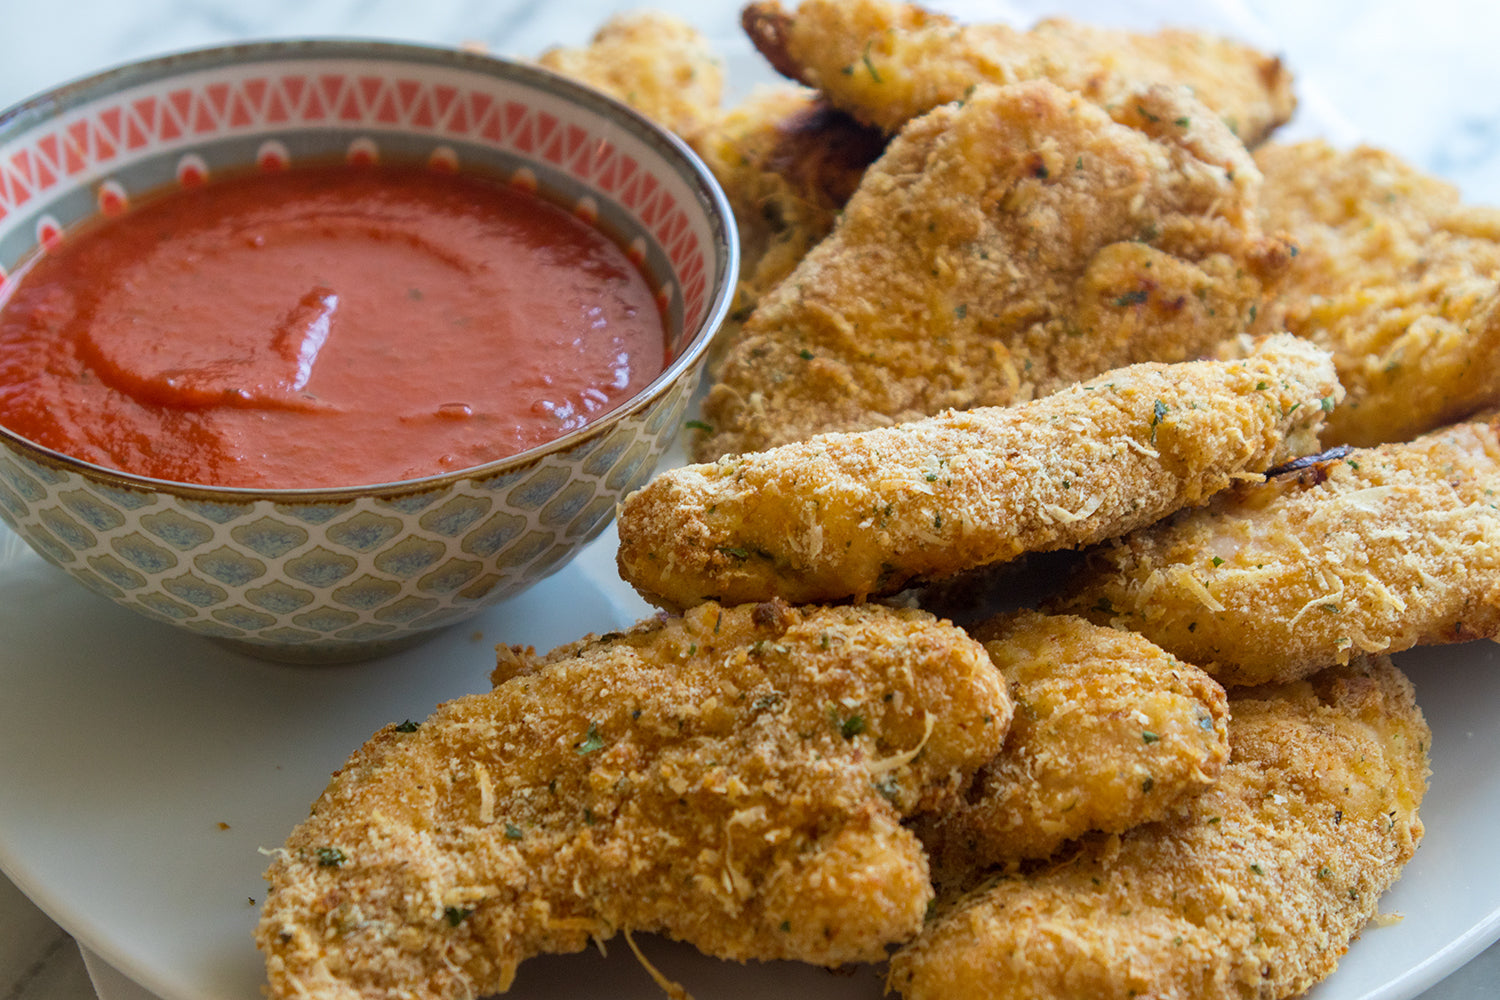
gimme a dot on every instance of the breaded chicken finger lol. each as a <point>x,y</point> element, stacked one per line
<point>1000,249</point>
<point>656,63</point>
<point>788,163</point>
<point>1396,277</point>
<point>889,62</point>
<point>859,514</point>
<point>735,778</point>
<point>1252,889</point>
<point>1372,549</point>
<point>1109,732</point>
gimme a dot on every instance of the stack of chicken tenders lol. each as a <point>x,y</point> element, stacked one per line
<point>1004,293</point>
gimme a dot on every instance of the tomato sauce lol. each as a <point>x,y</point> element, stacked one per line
<point>323,327</point>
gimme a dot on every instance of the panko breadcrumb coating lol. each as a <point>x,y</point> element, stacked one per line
<point>1252,889</point>
<point>887,63</point>
<point>1373,549</point>
<point>787,162</point>
<point>1001,249</point>
<point>854,515</point>
<point>1109,732</point>
<point>656,63</point>
<point>1395,276</point>
<point>735,778</point>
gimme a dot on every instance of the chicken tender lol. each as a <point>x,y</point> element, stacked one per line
<point>1109,732</point>
<point>656,63</point>
<point>1396,277</point>
<point>735,778</point>
<point>1371,549</point>
<point>1252,889</point>
<point>855,515</point>
<point>999,250</point>
<point>887,63</point>
<point>788,163</point>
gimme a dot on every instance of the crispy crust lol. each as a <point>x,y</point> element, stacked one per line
<point>788,162</point>
<point>1253,889</point>
<point>656,63</point>
<point>851,515</point>
<point>999,250</point>
<point>887,63</point>
<point>1396,277</point>
<point>1109,732</point>
<point>735,778</point>
<point>1375,549</point>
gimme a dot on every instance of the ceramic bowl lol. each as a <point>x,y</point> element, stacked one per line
<point>339,574</point>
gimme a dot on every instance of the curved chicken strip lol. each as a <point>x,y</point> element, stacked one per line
<point>1378,549</point>
<point>788,163</point>
<point>999,250</point>
<point>1252,889</point>
<point>735,778</point>
<point>659,65</point>
<point>1109,732</point>
<point>1396,277</point>
<point>887,63</point>
<point>851,515</point>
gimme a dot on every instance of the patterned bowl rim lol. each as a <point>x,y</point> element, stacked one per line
<point>676,153</point>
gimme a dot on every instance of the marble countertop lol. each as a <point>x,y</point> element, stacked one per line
<point>1418,78</point>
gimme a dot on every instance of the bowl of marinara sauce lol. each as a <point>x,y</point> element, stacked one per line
<point>316,347</point>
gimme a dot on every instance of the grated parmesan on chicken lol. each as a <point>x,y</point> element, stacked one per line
<point>842,515</point>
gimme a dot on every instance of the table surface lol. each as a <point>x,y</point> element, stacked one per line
<point>1420,79</point>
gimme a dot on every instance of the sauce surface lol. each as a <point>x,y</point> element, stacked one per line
<point>323,327</point>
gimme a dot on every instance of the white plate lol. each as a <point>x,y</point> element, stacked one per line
<point>125,746</point>
<point>141,770</point>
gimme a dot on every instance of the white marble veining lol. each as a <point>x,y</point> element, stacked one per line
<point>1420,78</point>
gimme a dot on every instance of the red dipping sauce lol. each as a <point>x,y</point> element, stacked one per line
<point>324,327</point>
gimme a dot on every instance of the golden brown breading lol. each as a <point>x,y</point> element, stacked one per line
<point>1252,889</point>
<point>1109,732</point>
<point>1002,249</point>
<point>887,63</point>
<point>1378,550</point>
<point>656,63</point>
<point>851,515</point>
<point>1396,277</point>
<point>734,778</point>
<point>788,162</point>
